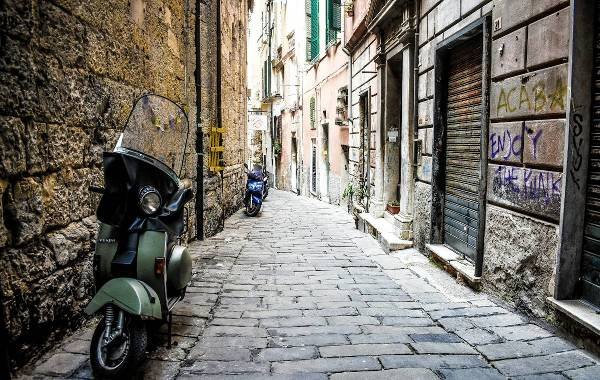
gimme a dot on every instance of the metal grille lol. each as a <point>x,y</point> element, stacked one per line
<point>463,147</point>
<point>590,261</point>
<point>215,157</point>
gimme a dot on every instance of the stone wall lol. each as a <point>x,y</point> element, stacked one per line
<point>70,73</point>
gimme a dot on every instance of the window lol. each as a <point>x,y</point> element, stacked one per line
<point>312,29</point>
<point>313,169</point>
<point>266,75</point>
<point>334,21</point>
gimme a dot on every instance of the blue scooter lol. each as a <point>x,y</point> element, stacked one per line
<point>255,189</point>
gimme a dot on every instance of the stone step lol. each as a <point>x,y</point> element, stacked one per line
<point>384,231</point>
<point>455,264</point>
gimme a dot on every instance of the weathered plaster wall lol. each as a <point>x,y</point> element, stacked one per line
<point>69,74</point>
<point>519,260</point>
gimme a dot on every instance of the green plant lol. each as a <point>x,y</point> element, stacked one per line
<point>276,148</point>
<point>394,204</point>
<point>348,192</point>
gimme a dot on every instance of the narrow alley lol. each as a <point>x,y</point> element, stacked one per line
<point>299,293</point>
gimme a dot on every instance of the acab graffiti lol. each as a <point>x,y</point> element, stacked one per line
<point>535,99</point>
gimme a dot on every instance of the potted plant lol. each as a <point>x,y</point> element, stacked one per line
<point>393,207</point>
<point>349,7</point>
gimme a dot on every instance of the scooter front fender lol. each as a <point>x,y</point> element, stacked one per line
<point>128,294</point>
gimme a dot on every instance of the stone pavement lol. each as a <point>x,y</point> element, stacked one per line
<point>299,293</point>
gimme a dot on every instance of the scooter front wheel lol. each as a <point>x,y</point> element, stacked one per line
<point>116,354</point>
<point>253,210</point>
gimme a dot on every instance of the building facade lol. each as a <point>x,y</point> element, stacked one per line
<point>70,74</point>
<point>303,134</point>
<point>472,139</point>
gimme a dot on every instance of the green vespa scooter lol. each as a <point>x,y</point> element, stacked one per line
<point>141,269</point>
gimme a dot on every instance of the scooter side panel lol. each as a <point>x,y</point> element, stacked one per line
<point>153,245</point>
<point>106,248</point>
<point>128,294</point>
<point>180,268</point>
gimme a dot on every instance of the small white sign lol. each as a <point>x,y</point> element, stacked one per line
<point>392,135</point>
<point>257,121</point>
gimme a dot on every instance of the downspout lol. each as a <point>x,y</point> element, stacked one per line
<point>199,133</point>
<point>416,90</point>
<point>219,103</point>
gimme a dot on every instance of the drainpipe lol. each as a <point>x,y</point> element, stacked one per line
<point>416,87</point>
<point>199,133</point>
<point>220,102</point>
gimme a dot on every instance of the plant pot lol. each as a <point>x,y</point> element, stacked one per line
<point>393,209</point>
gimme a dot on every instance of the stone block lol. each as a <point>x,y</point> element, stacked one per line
<point>548,38</point>
<point>542,364</point>
<point>61,364</point>
<point>467,6</point>
<point>357,363</point>
<point>506,142</point>
<point>423,30</point>
<point>517,349</point>
<point>542,92</point>
<point>443,348</point>
<point>70,242</point>
<point>448,11</point>
<point>425,113</point>
<point>289,353</point>
<point>432,361</point>
<point>544,142</point>
<point>426,85</point>
<point>25,209</point>
<point>13,152</point>
<point>427,5</point>
<point>514,241</point>
<point>402,373</point>
<point>424,170</point>
<point>432,27</point>
<point>514,13</point>
<point>508,53</point>
<point>471,373</point>
<point>537,191</point>
<point>427,56</point>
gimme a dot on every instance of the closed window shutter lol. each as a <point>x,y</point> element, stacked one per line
<point>336,15</point>
<point>333,25</point>
<point>307,8</point>
<point>314,29</point>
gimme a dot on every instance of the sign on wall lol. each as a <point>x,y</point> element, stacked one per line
<point>258,121</point>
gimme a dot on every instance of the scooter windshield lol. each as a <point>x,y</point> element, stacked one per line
<point>157,127</point>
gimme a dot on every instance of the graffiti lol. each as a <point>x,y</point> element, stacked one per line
<point>508,145</point>
<point>537,98</point>
<point>537,191</point>
<point>505,145</point>
<point>577,141</point>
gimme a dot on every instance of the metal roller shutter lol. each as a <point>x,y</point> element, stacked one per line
<point>590,261</point>
<point>463,147</point>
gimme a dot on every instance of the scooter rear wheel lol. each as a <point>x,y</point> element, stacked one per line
<point>118,359</point>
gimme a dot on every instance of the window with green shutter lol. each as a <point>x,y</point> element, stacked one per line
<point>334,20</point>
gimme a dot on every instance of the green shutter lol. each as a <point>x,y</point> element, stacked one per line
<point>336,16</point>
<point>314,29</point>
<point>334,21</point>
<point>313,113</point>
<point>307,6</point>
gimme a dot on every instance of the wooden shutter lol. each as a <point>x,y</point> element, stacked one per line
<point>463,147</point>
<point>314,29</point>
<point>307,9</point>
<point>590,259</point>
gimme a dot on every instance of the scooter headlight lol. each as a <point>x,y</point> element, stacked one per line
<point>149,200</point>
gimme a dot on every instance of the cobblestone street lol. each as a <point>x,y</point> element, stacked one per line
<point>299,293</point>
